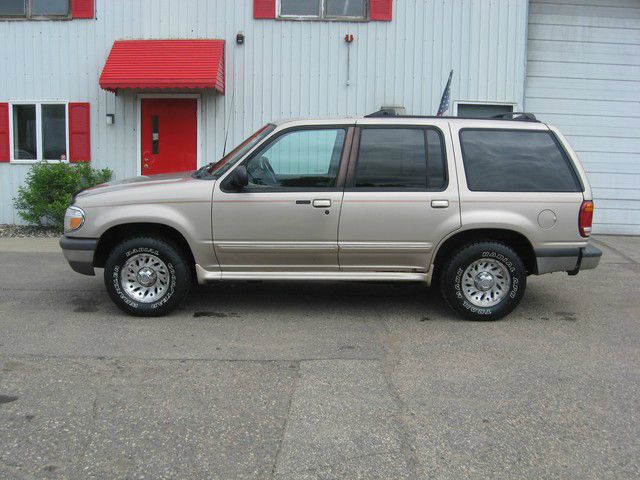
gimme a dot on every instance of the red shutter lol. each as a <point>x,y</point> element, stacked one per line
<point>264,8</point>
<point>82,8</point>
<point>4,132</point>
<point>79,132</point>
<point>381,10</point>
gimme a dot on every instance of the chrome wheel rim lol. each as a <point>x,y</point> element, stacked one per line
<point>145,278</point>
<point>486,282</point>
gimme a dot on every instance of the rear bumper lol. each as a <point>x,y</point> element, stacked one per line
<point>79,253</point>
<point>570,260</point>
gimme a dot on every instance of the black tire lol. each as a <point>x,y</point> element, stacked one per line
<point>178,277</point>
<point>452,286</point>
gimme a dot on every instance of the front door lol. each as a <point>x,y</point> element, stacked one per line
<point>169,135</point>
<point>286,218</point>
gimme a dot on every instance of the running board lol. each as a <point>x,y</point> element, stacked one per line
<point>206,276</point>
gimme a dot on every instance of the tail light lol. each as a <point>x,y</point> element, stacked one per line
<point>585,218</point>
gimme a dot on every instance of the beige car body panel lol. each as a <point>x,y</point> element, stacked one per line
<point>348,235</point>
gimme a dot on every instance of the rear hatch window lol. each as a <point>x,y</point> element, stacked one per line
<point>516,161</point>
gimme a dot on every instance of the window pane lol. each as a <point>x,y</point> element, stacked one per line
<point>469,110</point>
<point>12,7</point>
<point>346,8</point>
<point>49,7</point>
<point>300,7</point>
<point>515,161</point>
<point>436,173</point>
<point>54,132</point>
<point>300,159</point>
<point>24,132</point>
<point>392,158</point>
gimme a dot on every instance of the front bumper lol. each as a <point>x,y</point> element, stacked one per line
<point>570,260</point>
<point>79,253</point>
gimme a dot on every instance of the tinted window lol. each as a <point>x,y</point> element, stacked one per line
<point>399,158</point>
<point>515,161</point>
<point>346,8</point>
<point>298,159</point>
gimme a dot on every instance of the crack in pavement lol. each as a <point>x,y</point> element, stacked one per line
<point>294,386</point>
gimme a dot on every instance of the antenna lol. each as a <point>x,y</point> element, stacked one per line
<point>226,132</point>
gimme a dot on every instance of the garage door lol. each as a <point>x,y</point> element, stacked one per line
<point>583,75</point>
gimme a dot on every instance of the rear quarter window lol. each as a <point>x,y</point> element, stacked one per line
<point>516,161</point>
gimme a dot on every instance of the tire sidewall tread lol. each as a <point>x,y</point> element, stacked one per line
<point>451,279</point>
<point>171,254</point>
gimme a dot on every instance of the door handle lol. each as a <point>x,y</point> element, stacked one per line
<point>439,203</point>
<point>322,203</point>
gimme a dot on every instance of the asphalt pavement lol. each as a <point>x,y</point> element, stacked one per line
<point>318,380</point>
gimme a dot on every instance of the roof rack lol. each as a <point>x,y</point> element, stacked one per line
<point>524,116</point>
<point>399,113</point>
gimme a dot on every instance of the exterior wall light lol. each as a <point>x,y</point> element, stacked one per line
<point>111,118</point>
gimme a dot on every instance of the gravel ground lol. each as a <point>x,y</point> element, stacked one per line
<point>28,231</point>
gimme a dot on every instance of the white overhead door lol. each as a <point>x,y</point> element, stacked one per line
<point>583,76</point>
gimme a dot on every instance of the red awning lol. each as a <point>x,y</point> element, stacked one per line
<point>162,64</point>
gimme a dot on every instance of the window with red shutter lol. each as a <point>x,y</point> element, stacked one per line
<point>4,132</point>
<point>82,8</point>
<point>381,10</point>
<point>79,132</point>
<point>264,8</point>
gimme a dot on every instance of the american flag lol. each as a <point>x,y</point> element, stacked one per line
<point>444,102</point>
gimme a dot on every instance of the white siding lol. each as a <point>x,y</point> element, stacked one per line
<point>583,75</point>
<point>284,69</point>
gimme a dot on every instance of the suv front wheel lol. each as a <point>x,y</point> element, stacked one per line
<point>484,281</point>
<point>147,276</point>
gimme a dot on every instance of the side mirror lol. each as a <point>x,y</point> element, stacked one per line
<point>239,178</point>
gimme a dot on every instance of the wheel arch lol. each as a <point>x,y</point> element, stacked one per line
<point>117,233</point>
<point>516,240</point>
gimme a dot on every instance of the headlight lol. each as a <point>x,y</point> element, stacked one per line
<point>73,219</point>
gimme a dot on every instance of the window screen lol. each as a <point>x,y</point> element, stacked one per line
<point>400,158</point>
<point>300,7</point>
<point>482,110</point>
<point>298,159</point>
<point>345,8</point>
<point>12,7</point>
<point>24,132</point>
<point>54,132</point>
<point>49,7</point>
<point>515,161</point>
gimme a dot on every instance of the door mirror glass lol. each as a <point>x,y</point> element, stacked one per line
<point>239,178</point>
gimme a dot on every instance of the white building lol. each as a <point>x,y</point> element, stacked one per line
<point>68,90</point>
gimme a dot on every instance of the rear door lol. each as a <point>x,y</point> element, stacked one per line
<point>400,199</point>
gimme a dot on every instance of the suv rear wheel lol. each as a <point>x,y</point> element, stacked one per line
<point>147,276</point>
<point>484,281</point>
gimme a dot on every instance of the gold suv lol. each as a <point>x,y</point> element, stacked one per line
<point>471,205</point>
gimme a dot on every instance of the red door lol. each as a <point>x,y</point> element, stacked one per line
<point>169,135</point>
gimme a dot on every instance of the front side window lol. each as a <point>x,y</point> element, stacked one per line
<point>516,161</point>
<point>298,159</point>
<point>400,159</point>
<point>34,8</point>
<point>39,131</point>
<point>319,9</point>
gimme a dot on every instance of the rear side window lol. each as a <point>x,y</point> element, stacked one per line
<point>400,158</point>
<point>516,161</point>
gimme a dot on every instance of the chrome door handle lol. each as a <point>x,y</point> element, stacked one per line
<point>439,203</point>
<point>322,203</point>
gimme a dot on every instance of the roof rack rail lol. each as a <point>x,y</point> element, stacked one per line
<point>524,116</point>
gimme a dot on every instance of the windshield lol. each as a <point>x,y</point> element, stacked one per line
<point>216,169</point>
